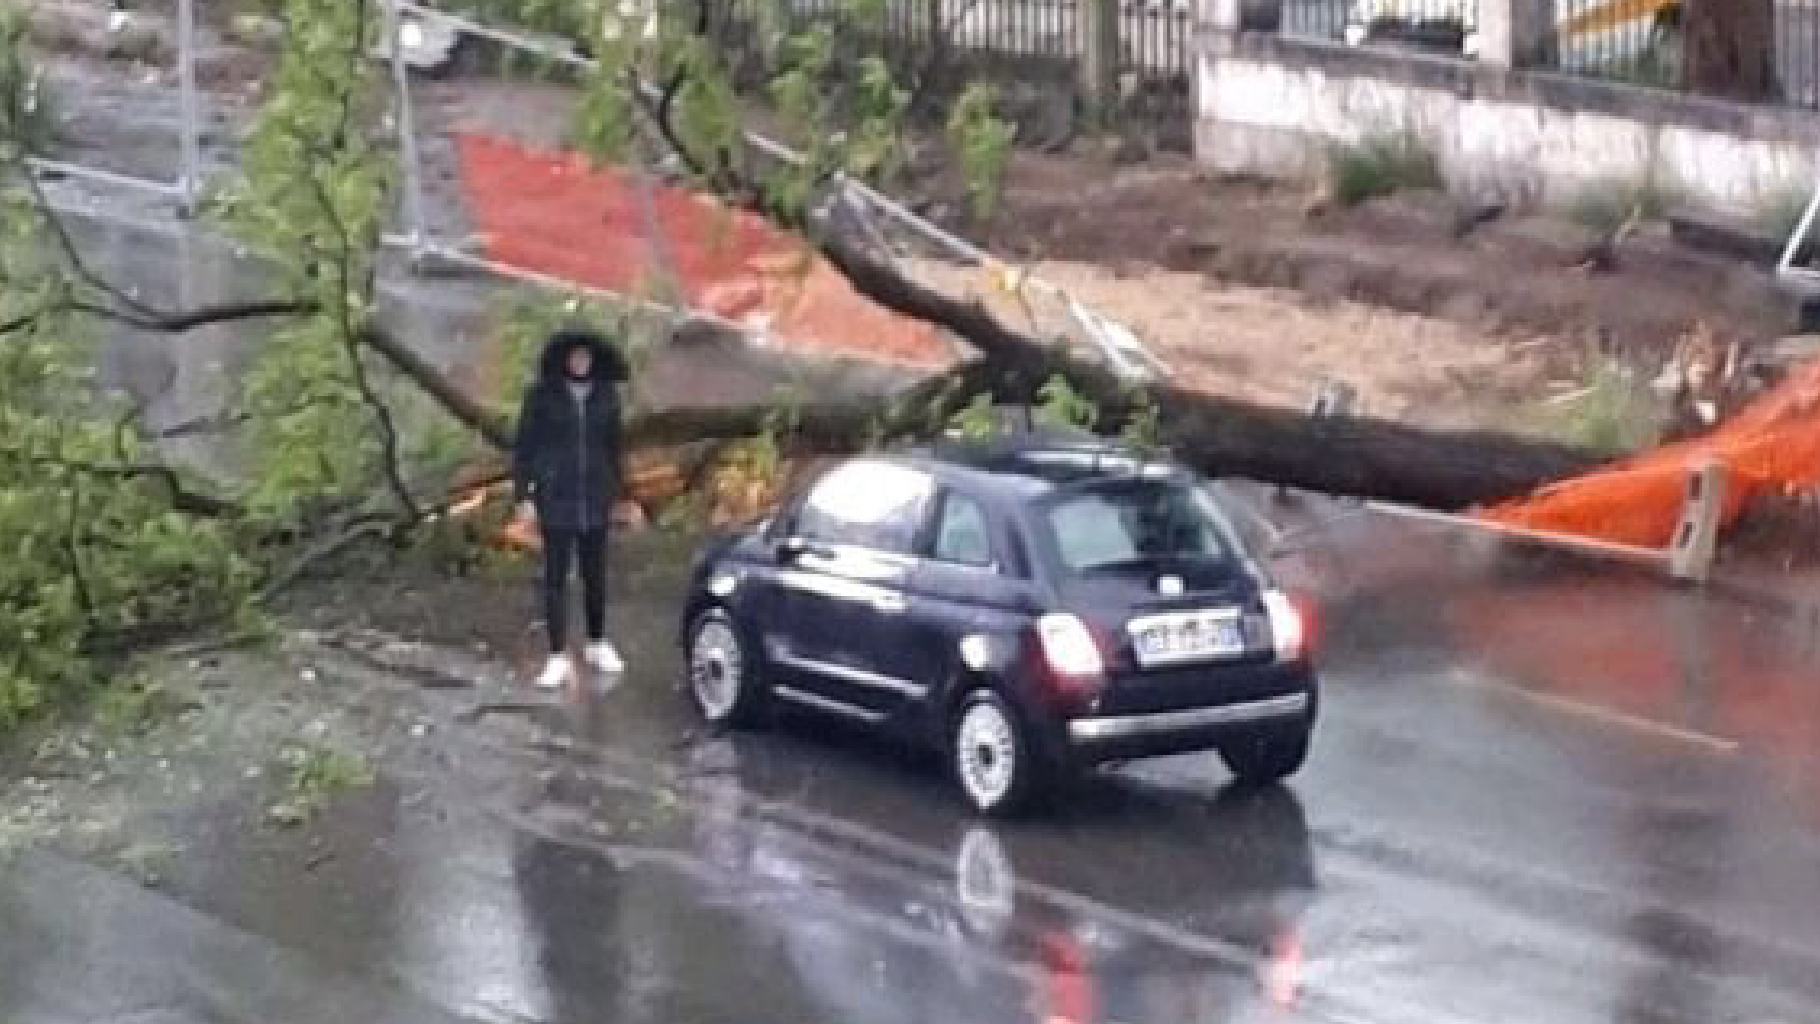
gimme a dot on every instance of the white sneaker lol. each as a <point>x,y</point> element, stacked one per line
<point>604,658</point>
<point>555,674</point>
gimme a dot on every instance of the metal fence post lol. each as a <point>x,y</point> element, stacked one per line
<point>1100,38</point>
<point>1333,399</point>
<point>417,235</point>
<point>189,175</point>
<point>1696,540</point>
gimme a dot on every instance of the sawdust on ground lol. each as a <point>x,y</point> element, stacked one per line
<point>1274,346</point>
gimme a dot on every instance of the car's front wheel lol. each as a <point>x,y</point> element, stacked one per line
<point>991,755</point>
<point>724,678</point>
<point>1267,757</point>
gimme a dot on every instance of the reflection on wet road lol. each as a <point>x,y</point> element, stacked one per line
<point>1537,794</point>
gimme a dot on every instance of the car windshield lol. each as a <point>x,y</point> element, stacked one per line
<point>1136,524</point>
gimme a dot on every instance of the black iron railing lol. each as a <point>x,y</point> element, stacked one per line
<point>1442,26</point>
<point>1761,51</point>
<point>1022,40</point>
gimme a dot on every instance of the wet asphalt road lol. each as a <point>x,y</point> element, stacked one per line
<point>1538,794</point>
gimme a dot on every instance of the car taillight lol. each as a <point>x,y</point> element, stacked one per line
<point>1069,650</point>
<point>1294,625</point>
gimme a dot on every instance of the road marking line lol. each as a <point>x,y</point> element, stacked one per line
<point>1609,716</point>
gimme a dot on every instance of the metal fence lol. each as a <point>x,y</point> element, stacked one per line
<point>1031,42</point>
<point>156,150</point>
<point>1645,42</point>
<point>1444,26</point>
<point>1637,42</point>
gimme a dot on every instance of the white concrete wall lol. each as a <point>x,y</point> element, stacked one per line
<point>1274,107</point>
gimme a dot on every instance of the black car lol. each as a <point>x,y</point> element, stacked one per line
<point>1028,607</point>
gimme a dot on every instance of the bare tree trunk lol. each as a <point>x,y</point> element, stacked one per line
<point>1731,49</point>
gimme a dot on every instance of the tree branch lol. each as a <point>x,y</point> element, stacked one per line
<point>67,243</point>
<point>72,553</point>
<point>161,322</point>
<point>465,408</point>
<point>182,499</point>
<point>390,449</point>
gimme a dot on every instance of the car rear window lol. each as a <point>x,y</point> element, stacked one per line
<point>1136,524</point>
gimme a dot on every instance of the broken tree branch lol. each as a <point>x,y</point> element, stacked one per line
<point>1223,436</point>
<point>182,498</point>
<point>164,322</point>
<point>469,411</point>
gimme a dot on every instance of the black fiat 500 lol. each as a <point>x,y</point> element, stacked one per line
<point>1027,607</point>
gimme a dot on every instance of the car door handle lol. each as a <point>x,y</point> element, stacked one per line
<point>891,604</point>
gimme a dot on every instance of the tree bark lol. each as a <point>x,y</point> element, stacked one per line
<point>465,408</point>
<point>1359,457</point>
<point>1731,49</point>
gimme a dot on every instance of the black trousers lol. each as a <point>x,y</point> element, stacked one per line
<point>561,548</point>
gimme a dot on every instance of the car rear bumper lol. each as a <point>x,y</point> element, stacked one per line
<point>1111,737</point>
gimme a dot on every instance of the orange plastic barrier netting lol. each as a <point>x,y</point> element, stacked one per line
<point>1771,448</point>
<point>560,216</point>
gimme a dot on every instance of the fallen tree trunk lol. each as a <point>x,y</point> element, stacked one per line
<point>1355,456</point>
<point>1220,436</point>
<point>1359,457</point>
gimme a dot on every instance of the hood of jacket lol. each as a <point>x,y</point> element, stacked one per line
<point>608,366</point>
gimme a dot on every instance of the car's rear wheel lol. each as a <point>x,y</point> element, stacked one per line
<point>991,755</point>
<point>1267,757</point>
<point>724,678</point>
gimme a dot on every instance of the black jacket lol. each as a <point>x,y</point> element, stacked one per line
<point>567,456</point>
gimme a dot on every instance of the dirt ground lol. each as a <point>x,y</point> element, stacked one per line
<point>1261,289</point>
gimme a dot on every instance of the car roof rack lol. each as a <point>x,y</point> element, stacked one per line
<point>1053,454</point>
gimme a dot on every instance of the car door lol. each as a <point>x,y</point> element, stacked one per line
<point>960,587</point>
<point>846,562</point>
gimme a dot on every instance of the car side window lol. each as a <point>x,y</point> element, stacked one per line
<point>865,504</point>
<point>961,533</point>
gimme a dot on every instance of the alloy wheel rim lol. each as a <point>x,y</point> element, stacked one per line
<point>987,753</point>
<point>714,668</point>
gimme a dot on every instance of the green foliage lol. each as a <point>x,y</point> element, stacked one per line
<point>134,707</point>
<point>1059,405</point>
<point>26,118</point>
<point>101,559</point>
<point>1144,425</point>
<point>826,82</point>
<point>314,776</point>
<point>1605,206</point>
<point>95,551</point>
<point>983,143</point>
<point>313,194</point>
<point>977,420</point>
<point>1613,411</point>
<point>1380,164</point>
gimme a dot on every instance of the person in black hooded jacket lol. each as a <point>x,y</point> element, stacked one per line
<point>566,465</point>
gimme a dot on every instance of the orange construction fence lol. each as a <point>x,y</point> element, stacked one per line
<point>1772,448</point>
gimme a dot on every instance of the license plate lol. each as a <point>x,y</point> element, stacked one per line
<point>1187,636</point>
